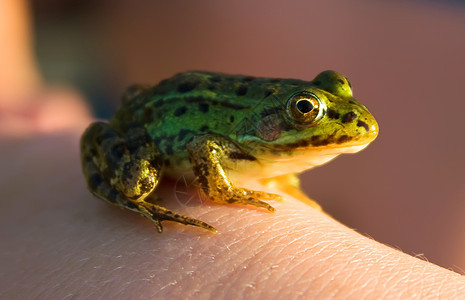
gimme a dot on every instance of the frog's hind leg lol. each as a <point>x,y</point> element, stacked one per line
<point>124,172</point>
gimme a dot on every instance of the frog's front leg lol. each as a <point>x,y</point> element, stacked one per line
<point>125,171</point>
<point>209,154</point>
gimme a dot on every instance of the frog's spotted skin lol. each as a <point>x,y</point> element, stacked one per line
<point>225,130</point>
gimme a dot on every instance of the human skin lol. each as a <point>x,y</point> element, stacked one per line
<point>59,241</point>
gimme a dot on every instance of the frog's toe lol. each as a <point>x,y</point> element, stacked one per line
<point>251,197</point>
<point>259,203</point>
<point>263,195</point>
<point>157,214</point>
<point>158,225</point>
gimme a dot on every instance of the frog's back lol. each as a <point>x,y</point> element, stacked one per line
<point>194,103</point>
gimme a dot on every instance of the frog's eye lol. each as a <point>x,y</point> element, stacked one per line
<point>305,108</point>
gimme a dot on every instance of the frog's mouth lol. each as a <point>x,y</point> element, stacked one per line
<point>320,151</point>
<point>343,149</point>
<point>329,146</point>
<point>299,159</point>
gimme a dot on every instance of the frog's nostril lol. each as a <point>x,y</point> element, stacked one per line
<point>363,124</point>
<point>370,127</point>
<point>348,117</point>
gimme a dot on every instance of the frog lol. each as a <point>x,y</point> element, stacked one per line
<point>223,131</point>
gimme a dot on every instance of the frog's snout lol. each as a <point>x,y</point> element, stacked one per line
<point>360,125</point>
<point>369,127</point>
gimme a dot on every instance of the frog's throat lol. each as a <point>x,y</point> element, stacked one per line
<point>271,164</point>
<point>315,155</point>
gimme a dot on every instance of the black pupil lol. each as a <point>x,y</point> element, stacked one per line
<point>304,106</point>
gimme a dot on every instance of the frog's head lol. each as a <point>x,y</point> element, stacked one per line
<point>325,114</point>
<point>317,121</point>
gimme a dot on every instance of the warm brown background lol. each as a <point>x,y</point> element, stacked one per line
<point>406,62</point>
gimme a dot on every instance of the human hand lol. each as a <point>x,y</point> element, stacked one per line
<point>60,241</point>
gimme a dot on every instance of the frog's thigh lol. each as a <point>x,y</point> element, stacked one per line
<point>208,155</point>
<point>290,184</point>
<point>130,165</point>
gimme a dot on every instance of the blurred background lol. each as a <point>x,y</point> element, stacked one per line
<point>405,60</point>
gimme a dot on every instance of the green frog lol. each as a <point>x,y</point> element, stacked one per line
<point>224,131</point>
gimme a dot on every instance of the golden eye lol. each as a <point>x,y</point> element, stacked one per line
<point>304,108</point>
